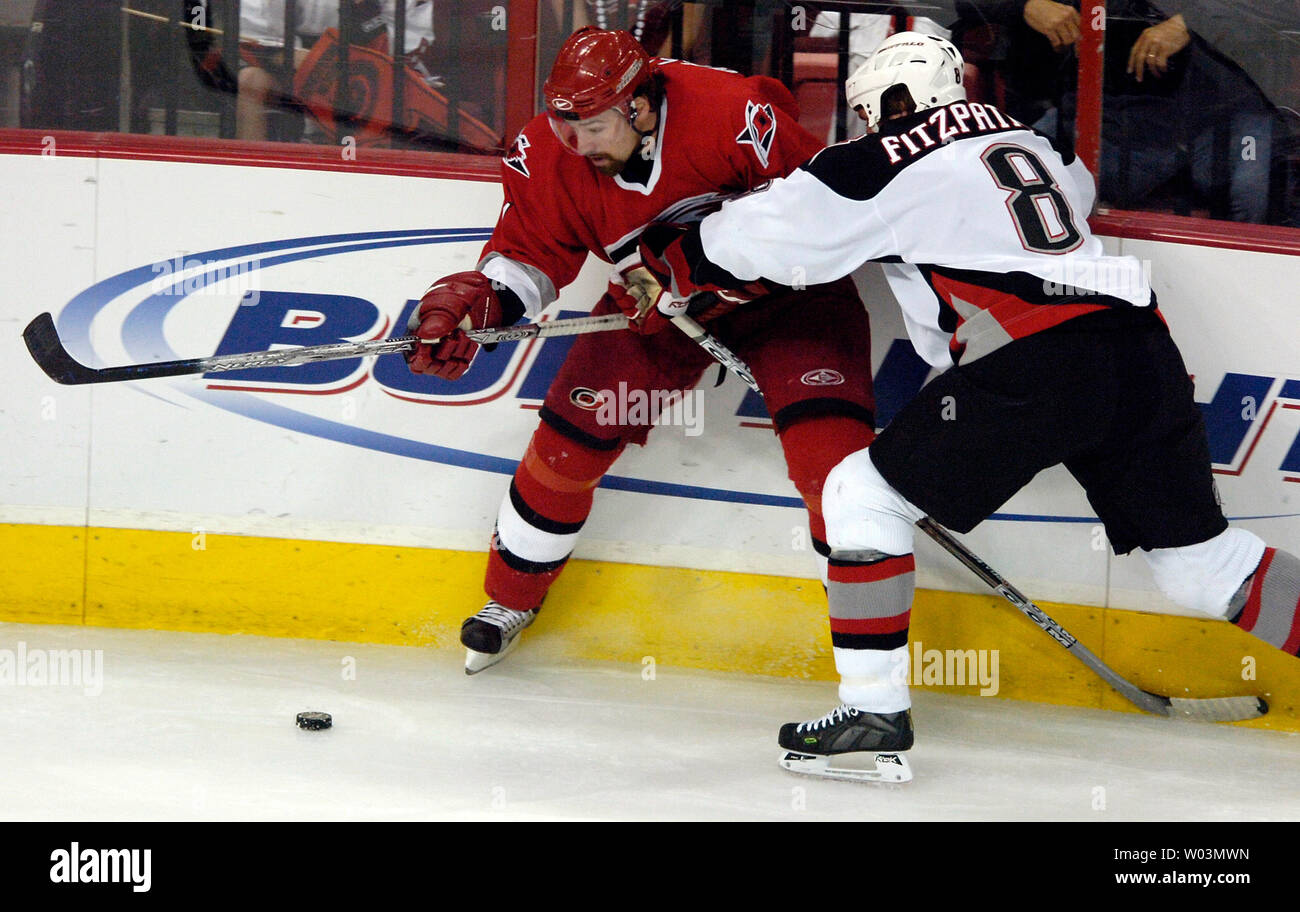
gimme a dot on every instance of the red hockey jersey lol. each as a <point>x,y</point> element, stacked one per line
<point>718,134</point>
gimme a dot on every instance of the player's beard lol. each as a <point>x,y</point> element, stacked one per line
<point>607,165</point>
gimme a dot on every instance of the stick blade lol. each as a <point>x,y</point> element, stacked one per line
<point>1217,709</point>
<point>49,354</point>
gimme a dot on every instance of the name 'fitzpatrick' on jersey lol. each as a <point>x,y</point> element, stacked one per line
<point>980,222</point>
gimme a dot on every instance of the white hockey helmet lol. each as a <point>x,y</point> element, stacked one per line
<point>930,67</point>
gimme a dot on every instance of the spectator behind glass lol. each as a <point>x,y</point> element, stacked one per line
<point>261,53</point>
<point>1172,104</point>
<point>866,33</point>
<point>262,83</point>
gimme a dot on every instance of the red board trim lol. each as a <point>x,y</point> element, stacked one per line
<point>444,165</point>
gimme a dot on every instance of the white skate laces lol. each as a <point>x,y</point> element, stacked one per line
<point>495,630</point>
<point>838,714</point>
<point>509,620</point>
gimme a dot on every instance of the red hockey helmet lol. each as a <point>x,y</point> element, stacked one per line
<point>595,70</point>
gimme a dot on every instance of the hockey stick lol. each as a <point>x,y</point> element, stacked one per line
<point>723,355</point>
<point>43,342</point>
<point>1209,709</point>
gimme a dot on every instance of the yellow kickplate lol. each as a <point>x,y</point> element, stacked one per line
<point>975,645</point>
<point>44,576</point>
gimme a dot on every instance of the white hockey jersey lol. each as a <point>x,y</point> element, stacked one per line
<point>982,226</point>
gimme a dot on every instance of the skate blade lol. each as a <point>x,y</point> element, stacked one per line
<point>477,661</point>
<point>891,768</point>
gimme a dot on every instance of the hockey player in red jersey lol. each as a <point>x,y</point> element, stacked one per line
<point>1053,354</point>
<point>627,140</point>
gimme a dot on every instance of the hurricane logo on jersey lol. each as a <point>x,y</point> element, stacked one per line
<point>585,398</point>
<point>518,153</point>
<point>760,130</point>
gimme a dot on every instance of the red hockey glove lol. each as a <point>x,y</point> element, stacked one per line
<point>637,293</point>
<point>465,300</point>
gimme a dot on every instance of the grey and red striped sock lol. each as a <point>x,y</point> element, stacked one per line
<point>871,608</point>
<point>1268,603</point>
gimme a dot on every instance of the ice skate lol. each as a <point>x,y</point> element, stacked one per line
<point>849,743</point>
<point>490,635</point>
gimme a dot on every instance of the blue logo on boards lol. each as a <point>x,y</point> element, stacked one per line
<point>1236,416</point>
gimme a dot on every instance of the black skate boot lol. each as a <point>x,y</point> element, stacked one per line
<point>850,734</point>
<point>490,635</point>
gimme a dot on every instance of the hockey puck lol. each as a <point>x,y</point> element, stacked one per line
<point>314,721</point>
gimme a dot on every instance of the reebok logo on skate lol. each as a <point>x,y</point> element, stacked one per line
<point>77,865</point>
<point>823,376</point>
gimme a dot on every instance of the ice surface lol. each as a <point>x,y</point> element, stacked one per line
<point>201,727</point>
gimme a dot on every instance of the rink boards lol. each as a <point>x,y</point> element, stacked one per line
<point>353,501</point>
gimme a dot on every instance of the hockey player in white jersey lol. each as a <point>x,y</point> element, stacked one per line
<point>1052,352</point>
